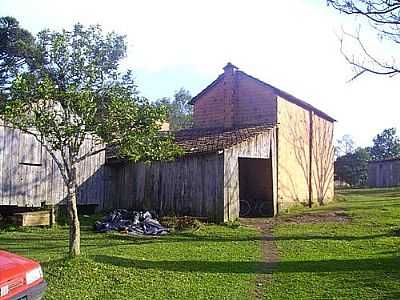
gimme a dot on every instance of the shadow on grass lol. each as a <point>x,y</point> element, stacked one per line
<point>101,241</point>
<point>387,264</point>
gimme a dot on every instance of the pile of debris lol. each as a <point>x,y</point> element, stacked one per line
<point>131,222</point>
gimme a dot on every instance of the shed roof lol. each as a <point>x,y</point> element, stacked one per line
<point>205,140</point>
<point>279,92</point>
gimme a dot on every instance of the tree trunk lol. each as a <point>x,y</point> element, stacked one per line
<point>73,220</point>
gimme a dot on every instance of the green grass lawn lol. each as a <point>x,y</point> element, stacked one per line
<point>216,262</point>
<point>356,260</point>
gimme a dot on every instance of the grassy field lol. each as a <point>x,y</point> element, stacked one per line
<point>355,259</point>
<point>359,259</point>
<point>216,262</point>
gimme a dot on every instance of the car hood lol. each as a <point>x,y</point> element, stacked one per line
<point>12,266</point>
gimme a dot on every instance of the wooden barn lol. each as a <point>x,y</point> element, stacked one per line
<point>384,173</point>
<point>252,145</point>
<point>253,149</point>
<point>30,178</point>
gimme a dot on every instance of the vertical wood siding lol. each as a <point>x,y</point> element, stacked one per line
<point>191,185</point>
<point>384,173</point>
<point>29,176</point>
<point>260,146</point>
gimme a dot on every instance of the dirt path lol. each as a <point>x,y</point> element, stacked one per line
<point>269,253</point>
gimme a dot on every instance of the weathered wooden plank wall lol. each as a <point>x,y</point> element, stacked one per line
<point>191,185</point>
<point>384,173</point>
<point>29,176</point>
<point>260,146</point>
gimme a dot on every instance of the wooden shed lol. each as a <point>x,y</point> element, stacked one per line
<point>205,181</point>
<point>250,141</point>
<point>30,178</point>
<point>384,173</point>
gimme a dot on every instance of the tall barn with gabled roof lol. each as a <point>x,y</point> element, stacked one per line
<point>253,149</point>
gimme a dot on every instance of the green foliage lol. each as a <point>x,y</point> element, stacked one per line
<point>71,92</point>
<point>386,145</point>
<point>352,167</point>
<point>180,112</point>
<point>215,262</point>
<point>77,91</point>
<point>354,260</point>
<point>16,49</point>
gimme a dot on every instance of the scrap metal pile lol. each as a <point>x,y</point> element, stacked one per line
<point>131,222</point>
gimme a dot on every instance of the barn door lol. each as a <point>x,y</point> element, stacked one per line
<point>255,187</point>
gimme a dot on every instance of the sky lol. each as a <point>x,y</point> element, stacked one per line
<point>292,45</point>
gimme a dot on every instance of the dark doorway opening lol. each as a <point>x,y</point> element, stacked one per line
<point>255,187</point>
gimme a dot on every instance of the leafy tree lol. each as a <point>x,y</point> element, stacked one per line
<point>16,48</point>
<point>74,91</point>
<point>179,111</point>
<point>384,18</point>
<point>386,145</point>
<point>352,167</point>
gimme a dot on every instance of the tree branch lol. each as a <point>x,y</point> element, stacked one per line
<point>384,18</point>
<point>51,151</point>
<point>89,154</point>
<point>361,68</point>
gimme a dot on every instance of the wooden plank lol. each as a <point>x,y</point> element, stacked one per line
<point>219,205</point>
<point>101,184</point>
<point>14,166</point>
<point>58,186</point>
<point>43,176</point>
<point>161,189</point>
<point>141,180</point>
<point>6,178</point>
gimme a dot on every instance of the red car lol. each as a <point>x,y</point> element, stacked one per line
<point>20,278</point>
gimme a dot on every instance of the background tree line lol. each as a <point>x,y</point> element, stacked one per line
<point>179,111</point>
<point>351,165</point>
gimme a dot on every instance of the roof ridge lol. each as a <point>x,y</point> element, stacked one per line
<point>280,92</point>
<point>293,99</point>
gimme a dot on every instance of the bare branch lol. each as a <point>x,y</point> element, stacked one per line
<point>362,68</point>
<point>384,18</point>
